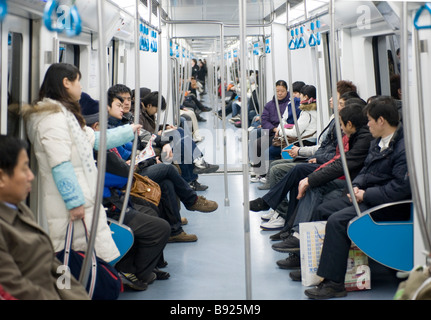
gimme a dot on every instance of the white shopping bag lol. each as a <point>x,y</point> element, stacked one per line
<point>311,235</point>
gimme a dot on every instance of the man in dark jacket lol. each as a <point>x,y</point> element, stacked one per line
<point>328,181</point>
<point>383,179</point>
<point>355,157</point>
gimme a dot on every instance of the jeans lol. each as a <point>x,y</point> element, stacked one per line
<point>314,197</point>
<point>185,151</point>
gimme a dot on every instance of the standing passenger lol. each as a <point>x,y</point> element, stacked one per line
<point>63,145</point>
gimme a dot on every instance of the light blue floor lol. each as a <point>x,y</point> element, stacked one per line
<point>213,268</point>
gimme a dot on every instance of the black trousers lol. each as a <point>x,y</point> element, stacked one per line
<point>151,235</point>
<point>289,184</point>
<point>336,246</point>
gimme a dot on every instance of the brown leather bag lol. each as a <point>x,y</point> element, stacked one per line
<point>145,188</point>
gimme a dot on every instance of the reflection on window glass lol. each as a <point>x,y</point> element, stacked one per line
<point>14,93</point>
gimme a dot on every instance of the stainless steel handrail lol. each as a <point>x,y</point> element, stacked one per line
<point>292,102</point>
<point>408,126</point>
<point>334,59</point>
<point>244,117</point>
<point>101,158</point>
<point>136,118</point>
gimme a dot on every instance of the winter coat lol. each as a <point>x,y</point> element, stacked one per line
<point>27,259</point>
<point>269,117</point>
<point>307,122</point>
<point>325,141</point>
<point>49,133</point>
<point>359,144</point>
<point>384,176</point>
<point>327,148</point>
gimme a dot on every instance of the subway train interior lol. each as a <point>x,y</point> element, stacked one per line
<point>251,44</point>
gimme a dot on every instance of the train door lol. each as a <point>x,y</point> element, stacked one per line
<point>15,73</point>
<point>386,61</point>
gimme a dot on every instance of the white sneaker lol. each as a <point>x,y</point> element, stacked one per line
<point>262,179</point>
<point>275,223</point>
<point>257,179</point>
<point>198,139</point>
<point>267,216</point>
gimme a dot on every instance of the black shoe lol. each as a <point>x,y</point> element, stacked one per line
<point>206,109</point>
<point>291,262</point>
<point>161,275</point>
<point>327,289</point>
<point>280,235</point>
<point>131,281</point>
<point>258,205</point>
<point>291,245</point>
<point>162,264</point>
<point>200,119</point>
<point>195,185</point>
<point>201,166</point>
<point>295,275</point>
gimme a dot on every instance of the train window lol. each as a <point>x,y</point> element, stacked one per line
<point>15,56</point>
<point>69,53</point>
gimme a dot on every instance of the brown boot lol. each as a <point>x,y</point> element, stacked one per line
<point>203,205</point>
<point>183,237</point>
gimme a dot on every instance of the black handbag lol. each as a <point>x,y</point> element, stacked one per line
<point>103,282</point>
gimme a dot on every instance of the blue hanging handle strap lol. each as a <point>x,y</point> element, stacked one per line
<point>426,6</point>
<point>292,43</point>
<point>318,35</point>
<point>301,40</point>
<point>3,9</point>
<point>312,40</point>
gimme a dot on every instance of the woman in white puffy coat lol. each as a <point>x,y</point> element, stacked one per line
<point>63,146</point>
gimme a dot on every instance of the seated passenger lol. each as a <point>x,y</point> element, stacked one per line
<point>171,184</point>
<point>387,157</point>
<point>186,153</point>
<point>307,124</point>
<point>269,126</point>
<point>29,269</point>
<point>322,152</point>
<point>328,181</point>
<point>358,150</point>
<point>138,266</point>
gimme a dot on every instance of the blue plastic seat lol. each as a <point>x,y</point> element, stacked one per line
<point>389,243</point>
<point>123,238</point>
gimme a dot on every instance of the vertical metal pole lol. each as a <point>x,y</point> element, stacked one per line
<point>418,69</point>
<point>408,125</point>
<point>334,59</point>
<point>101,159</point>
<point>160,61</point>
<point>244,117</point>
<point>289,67</point>
<point>223,108</point>
<point>315,51</point>
<point>137,112</point>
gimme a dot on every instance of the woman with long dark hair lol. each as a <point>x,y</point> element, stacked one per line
<point>63,145</point>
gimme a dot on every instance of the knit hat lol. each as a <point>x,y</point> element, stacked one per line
<point>89,108</point>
